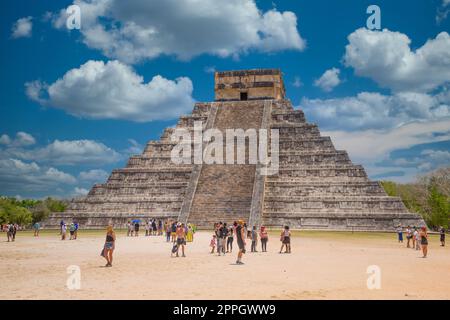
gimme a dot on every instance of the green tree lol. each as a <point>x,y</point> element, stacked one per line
<point>439,207</point>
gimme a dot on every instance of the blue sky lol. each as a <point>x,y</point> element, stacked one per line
<point>76,103</point>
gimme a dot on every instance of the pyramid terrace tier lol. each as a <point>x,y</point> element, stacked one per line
<point>151,190</point>
<point>314,172</point>
<point>334,204</point>
<point>319,188</point>
<point>320,158</point>
<point>342,221</point>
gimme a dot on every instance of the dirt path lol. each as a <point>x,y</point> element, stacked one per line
<point>322,266</point>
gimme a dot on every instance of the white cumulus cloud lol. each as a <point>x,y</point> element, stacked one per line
<point>387,58</point>
<point>22,28</point>
<point>94,175</point>
<point>136,30</point>
<point>329,80</point>
<point>372,110</point>
<point>112,90</point>
<point>19,176</point>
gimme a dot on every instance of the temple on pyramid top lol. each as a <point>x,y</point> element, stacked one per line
<point>254,84</point>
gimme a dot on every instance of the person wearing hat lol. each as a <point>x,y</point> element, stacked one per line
<point>240,237</point>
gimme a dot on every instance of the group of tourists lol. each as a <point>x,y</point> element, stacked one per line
<point>417,238</point>
<point>72,227</point>
<point>224,235</point>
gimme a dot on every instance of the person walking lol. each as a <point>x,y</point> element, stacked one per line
<point>424,241</point>
<point>224,235</point>
<point>136,228</point>
<point>168,229</point>
<point>417,238</point>
<point>36,228</point>
<point>10,232</point>
<point>408,236</point>
<point>181,238</point>
<point>240,239</point>
<point>130,229</point>
<point>77,226</point>
<point>110,244</point>
<point>63,231</point>
<point>230,239</point>
<point>400,233</point>
<point>286,240</point>
<point>264,237</point>
<point>442,236</point>
<point>72,231</point>
<point>254,239</point>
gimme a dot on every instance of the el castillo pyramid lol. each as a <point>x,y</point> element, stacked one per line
<point>317,186</point>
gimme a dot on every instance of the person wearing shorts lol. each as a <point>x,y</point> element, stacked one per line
<point>424,241</point>
<point>181,239</point>
<point>285,240</point>
<point>240,239</point>
<point>109,246</point>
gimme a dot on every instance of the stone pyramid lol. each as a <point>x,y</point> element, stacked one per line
<point>316,187</point>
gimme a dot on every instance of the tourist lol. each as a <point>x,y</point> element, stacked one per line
<point>408,236</point>
<point>254,239</point>
<point>212,243</point>
<point>77,226</point>
<point>110,244</point>
<point>154,227</point>
<point>424,241</point>
<point>10,232</point>
<point>240,238</point>
<point>36,228</point>
<point>72,230</point>
<point>168,230</point>
<point>61,223</point>
<point>181,238</point>
<point>442,236</point>
<point>224,235</point>
<point>160,227</point>
<point>286,240</point>
<point>148,226</point>
<point>173,232</point>
<point>219,238</point>
<point>130,229</point>
<point>416,235</point>
<point>264,238</point>
<point>136,228</point>
<point>190,233</point>
<point>230,239</point>
<point>63,231</point>
<point>400,233</point>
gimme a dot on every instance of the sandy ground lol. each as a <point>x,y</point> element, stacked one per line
<point>321,266</point>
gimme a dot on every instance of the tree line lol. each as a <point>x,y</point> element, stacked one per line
<point>429,196</point>
<point>28,211</point>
